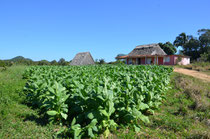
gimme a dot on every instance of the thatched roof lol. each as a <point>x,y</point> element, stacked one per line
<point>83,58</point>
<point>149,49</point>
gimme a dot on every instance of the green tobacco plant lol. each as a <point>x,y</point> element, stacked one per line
<point>55,102</point>
<point>97,98</point>
<point>107,109</point>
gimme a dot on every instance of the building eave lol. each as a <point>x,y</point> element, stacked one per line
<point>139,56</point>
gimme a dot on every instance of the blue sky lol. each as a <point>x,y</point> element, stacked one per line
<point>54,29</point>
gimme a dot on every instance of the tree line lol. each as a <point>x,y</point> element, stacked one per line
<point>19,60</point>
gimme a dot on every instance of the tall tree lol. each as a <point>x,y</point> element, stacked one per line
<point>102,61</point>
<point>54,62</point>
<point>204,38</point>
<point>168,48</point>
<point>181,40</point>
<point>191,48</point>
<point>62,62</point>
<point>189,44</point>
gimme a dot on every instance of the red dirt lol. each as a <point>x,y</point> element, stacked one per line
<point>193,73</point>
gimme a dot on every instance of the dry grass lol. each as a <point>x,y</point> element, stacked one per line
<point>194,92</point>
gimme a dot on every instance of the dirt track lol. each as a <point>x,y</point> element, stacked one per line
<point>193,73</point>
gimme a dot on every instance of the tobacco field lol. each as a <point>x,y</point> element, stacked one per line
<point>92,100</point>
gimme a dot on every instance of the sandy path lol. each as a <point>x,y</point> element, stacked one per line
<point>193,73</point>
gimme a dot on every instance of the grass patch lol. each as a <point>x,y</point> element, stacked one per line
<point>17,120</point>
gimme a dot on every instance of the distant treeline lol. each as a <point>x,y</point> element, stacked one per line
<point>19,60</point>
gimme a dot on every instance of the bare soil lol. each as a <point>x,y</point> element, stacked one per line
<point>193,73</point>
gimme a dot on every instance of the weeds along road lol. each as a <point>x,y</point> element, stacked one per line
<point>193,73</point>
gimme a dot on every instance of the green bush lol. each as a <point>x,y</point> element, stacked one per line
<point>2,63</point>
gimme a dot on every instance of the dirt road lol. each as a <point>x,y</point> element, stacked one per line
<point>193,73</point>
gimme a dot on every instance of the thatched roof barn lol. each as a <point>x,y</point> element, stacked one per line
<point>152,54</point>
<point>150,49</point>
<point>83,58</point>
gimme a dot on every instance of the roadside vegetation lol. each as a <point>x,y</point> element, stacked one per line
<point>184,111</point>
